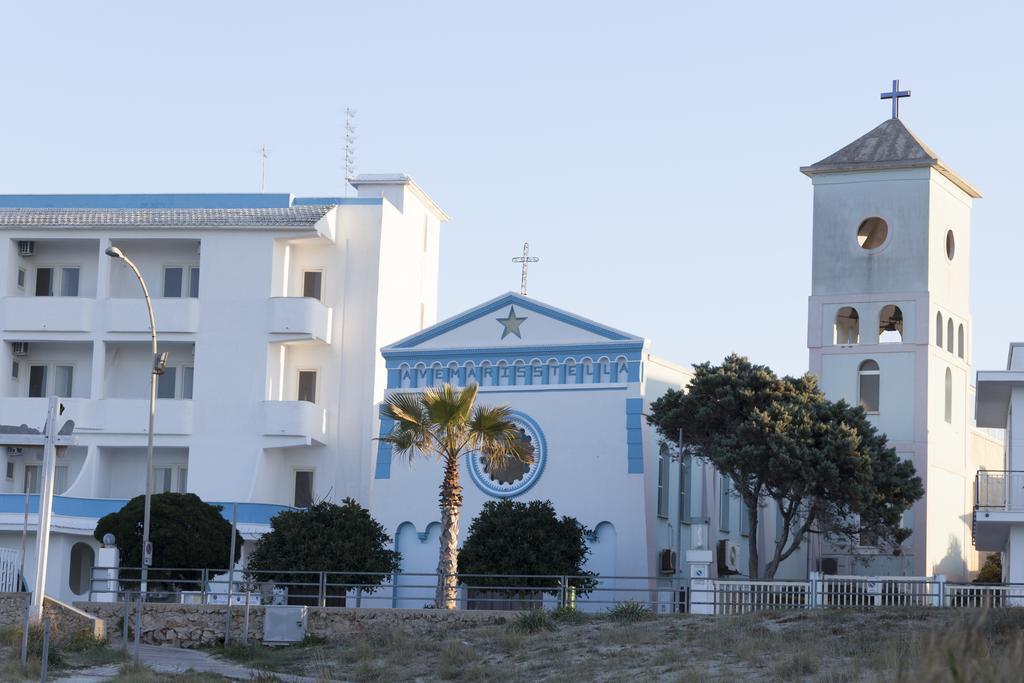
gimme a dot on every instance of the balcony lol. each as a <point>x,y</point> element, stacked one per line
<point>998,505</point>
<point>293,318</point>
<point>295,423</point>
<point>172,315</point>
<point>106,416</point>
<point>46,313</point>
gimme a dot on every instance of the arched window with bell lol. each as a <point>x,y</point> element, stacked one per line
<point>890,325</point>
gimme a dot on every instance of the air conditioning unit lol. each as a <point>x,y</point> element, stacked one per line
<point>667,561</point>
<point>14,451</point>
<point>19,348</point>
<point>728,557</point>
<point>26,247</point>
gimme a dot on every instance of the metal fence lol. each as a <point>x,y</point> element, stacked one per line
<point>999,490</point>
<point>10,560</point>
<point>518,592</point>
<point>399,590</point>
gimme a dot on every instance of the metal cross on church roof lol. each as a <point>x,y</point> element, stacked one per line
<point>895,96</point>
<point>526,260</point>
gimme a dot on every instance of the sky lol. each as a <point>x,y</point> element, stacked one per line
<point>649,152</point>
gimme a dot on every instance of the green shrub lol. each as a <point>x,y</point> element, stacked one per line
<point>568,615</point>
<point>531,622</point>
<point>629,612</point>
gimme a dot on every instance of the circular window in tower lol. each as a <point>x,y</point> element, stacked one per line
<point>512,477</point>
<point>950,245</point>
<point>872,233</point>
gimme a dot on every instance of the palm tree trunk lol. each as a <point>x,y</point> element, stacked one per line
<point>448,560</point>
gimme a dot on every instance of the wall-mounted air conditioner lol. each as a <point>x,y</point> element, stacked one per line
<point>667,561</point>
<point>14,451</point>
<point>19,348</point>
<point>728,557</point>
<point>26,247</point>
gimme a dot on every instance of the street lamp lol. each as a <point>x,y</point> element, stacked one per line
<point>159,362</point>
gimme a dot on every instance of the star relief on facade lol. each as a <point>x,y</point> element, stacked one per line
<point>511,323</point>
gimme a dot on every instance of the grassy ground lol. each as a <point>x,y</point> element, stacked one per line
<point>833,646</point>
<point>629,644</point>
<point>81,653</point>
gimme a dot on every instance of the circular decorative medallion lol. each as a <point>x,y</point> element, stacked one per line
<point>513,477</point>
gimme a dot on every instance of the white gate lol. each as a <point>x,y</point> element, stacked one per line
<point>9,561</point>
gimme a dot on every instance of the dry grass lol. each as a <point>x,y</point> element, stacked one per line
<point>827,646</point>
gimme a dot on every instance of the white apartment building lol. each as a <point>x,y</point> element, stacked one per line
<point>272,309</point>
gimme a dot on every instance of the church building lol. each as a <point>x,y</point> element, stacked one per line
<point>889,328</point>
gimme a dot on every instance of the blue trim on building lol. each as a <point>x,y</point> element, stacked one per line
<point>94,508</point>
<point>349,201</point>
<point>509,299</point>
<point>634,436</point>
<point>384,450</point>
<point>175,201</point>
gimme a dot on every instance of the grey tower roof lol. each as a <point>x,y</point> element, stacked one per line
<point>291,217</point>
<point>887,146</point>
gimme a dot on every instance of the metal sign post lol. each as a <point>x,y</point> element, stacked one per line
<point>50,439</point>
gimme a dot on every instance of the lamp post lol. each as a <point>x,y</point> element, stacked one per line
<point>159,361</point>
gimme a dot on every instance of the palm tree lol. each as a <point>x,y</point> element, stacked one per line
<point>443,422</point>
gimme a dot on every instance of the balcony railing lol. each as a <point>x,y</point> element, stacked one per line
<point>47,313</point>
<point>103,416</point>
<point>297,317</point>
<point>999,490</point>
<point>304,422</point>
<point>172,315</point>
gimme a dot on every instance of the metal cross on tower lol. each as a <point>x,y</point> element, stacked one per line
<point>526,260</point>
<point>895,96</point>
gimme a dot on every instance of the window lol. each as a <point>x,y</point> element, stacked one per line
<point>47,281</point>
<point>21,278</point>
<point>872,233</point>
<point>37,381</point>
<point>69,281</point>
<point>663,462</point>
<point>960,341</point>
<point>307,386</point>
<point>44,281</point>
<point>63,379</point>
<point>950,245</point>
<point>744,518</point>
<point>938,330</point>
<point>847,328</point>
<point>869,386</point>
<point>165,383</point>
<point>949,396</point>
<point>10,471</point>
<point>173,277</point>
<point>176,382</point>
<point>170,479</point>
<point>15,368</point>
<point>890,325</point>
<point>426,229</point>
<point>303,488</point>
<point>949,335</point>
<point>312,284</point>
<point>193,282</point>
<point>723,504</point>
<point>32,478</point>
<point>60,479</point>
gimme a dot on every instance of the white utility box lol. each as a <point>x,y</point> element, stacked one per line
<point>284,624</point>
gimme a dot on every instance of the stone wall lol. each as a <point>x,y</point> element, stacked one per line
<point>200,625</point>
<point>66,622</point>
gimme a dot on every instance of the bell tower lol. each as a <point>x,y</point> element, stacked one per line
<point>889,326</point>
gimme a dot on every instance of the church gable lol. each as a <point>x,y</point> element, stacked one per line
<point>512,321</point>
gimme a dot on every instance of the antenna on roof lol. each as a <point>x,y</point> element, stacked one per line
<point>350,146</point>
<point>264,153</point>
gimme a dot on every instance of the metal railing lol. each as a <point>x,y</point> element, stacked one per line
<point>398,590</point>
<point>519,592</point>
<point>999,490</point>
